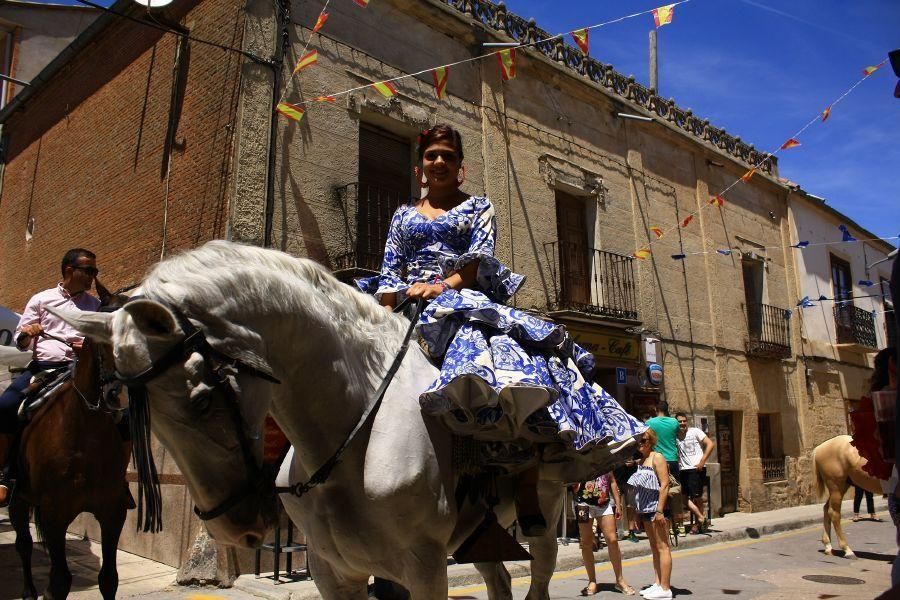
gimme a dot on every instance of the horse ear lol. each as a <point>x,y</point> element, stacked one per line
<point>151,318</point>
<point>92,324</point>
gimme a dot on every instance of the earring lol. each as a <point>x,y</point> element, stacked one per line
<point>460,181</point>
<point>420,178</point>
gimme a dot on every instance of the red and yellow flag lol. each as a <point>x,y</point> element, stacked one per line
<point>791,143</point>
<point>385,89</point>
<point>826,113</point>
<point>323,16</point>
<point>507,60</point>
<point>642,254</point>
<point>308,59</point>
<point>869,70</point>
<point>581,38</point>
<point>363,3</point>
<point>440,76</point>
<point>291,111</point>
<point>687,220</point>
<point>663,15</point>
<point>717,200</point>
<point>324,99</point>
<point>746,176</point>
<point>657,231</point>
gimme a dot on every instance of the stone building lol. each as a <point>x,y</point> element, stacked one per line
<point>178,143</point>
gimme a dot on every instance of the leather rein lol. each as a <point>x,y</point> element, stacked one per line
<point>222,375</point>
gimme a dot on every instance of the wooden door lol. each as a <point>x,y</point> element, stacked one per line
<point>726,446</point>
<point>573,250</point>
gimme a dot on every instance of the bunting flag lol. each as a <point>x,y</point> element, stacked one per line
<point>800,245</point>
<point>822,298</point>
<point>679,256</point>
<point>805,302</point>
<point>663,15</point>
<point>440,76</point>
<point>308,59</point>
<point>869,70</point>
<point>717,200</point>
<point>363,3</point>
<point>642,254</point>
<point>826,113</point>
<point>865,283</point>
<point>657,231</point>
<point>291,111</point>
<point>847,237</point>
<point>725,251</point>
<point>507,60</point>
<point>324,99</point>
<point>581,38</point>
<point>687,220</point>
<point>787,314</point>
<point>385,89</point>
<point>791,143</point>
<point>323,16</point>
<point>746,176</point>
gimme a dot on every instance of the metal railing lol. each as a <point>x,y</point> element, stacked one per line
<point>854,326</point>
<point>367,212</point>
<point>768,331</point>
<point>591,281</point>
<point>773,469</point>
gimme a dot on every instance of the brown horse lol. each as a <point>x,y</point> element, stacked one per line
<point>72,460</point>
<point>836,466</point>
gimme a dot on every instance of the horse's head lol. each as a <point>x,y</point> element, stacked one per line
<point>207,413</point>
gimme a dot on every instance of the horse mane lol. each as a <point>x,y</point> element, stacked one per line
<point>222,283</point>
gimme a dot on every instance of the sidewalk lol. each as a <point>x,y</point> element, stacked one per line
<point>150,580</point>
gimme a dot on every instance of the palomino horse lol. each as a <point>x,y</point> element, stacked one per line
<point>836,466</point>
<point>72,460</point>
<point>389,506</point>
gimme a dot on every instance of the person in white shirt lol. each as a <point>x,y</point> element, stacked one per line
<point>694,448</point>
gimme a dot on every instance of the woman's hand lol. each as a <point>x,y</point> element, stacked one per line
<point>659,518</point>
<point>425,290</point>
<point>618,512</point>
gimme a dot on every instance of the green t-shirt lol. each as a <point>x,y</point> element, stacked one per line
<point>666,429</point>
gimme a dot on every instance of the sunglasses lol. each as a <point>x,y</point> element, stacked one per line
<point>91,271</point>
<point>642,442</point>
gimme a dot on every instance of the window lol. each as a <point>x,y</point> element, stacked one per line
<point>841,282</point>
<point>754,282</point>
<point>573,249</point>
<point>771,450</point>
<point>385,182</point>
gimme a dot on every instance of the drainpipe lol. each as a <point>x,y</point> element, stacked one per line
<point>282,43</point>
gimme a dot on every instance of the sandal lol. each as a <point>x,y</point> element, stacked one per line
<point>855,518</point>
<point>586,591</point>
<point>625,589</point>
<point>695,529</point>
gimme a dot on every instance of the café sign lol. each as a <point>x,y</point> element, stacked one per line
<point>608,346</point>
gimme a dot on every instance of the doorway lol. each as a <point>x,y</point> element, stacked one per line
<point>727,441</point>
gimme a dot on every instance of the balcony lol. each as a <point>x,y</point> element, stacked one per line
<point>768,331</point>
<point>855,326</point>
<point>591,281</point>
<point>773,469</point>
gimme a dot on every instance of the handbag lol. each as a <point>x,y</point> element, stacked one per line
<point>674,486</point>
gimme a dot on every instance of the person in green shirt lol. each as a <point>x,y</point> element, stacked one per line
<point>666,429</point>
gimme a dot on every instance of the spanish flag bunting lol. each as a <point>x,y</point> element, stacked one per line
<point>507,60</point>
<point>687,220</point>
<point>791,143</point>
<point>308,59</point>
<point>717,200</point>
<point>291,111</point>
<point>679,256</point>
<point>581,38</point>
<point>642,254</point>
<point>323,16</point>
<point>869,70</point>
<point>657,231</point>
<point>440,76</point>
<point>385,89</point>
<point>746,176</point>
<point>324,99</point>
<point>826,113</point>
<point>363,3</point>
<point>663,15</point>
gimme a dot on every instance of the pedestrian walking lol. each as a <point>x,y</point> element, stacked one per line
<point>666,429</point>
<point>694,449</point>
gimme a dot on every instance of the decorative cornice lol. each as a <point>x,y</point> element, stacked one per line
<point>495,16</point>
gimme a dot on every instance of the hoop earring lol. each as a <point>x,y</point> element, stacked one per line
<point>459,181</point>
<point>420,178</point>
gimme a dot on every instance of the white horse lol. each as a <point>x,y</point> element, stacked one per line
<point>389,507</point>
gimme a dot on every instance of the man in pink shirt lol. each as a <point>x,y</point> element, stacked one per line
<point>79,268</point>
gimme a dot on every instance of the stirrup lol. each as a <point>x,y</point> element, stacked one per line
<point>490,543</point>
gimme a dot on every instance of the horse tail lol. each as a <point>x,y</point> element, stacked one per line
<point>817,477</point>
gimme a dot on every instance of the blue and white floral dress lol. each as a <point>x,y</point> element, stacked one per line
<point>505,374</point>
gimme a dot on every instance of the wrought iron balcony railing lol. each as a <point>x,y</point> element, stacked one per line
<point>768,331</point>
<point>591,281</point>
<point>773,469</point>
<point>367,212</point>
<point>854,326</point>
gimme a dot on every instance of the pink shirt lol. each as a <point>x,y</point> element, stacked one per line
<point>46,349</point>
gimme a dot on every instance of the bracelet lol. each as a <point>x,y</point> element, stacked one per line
<point>659,512</point>
<point>443,284</point>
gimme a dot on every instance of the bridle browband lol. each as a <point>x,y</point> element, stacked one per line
<point>262,478</point>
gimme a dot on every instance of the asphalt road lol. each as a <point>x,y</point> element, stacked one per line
<point>789,565</point>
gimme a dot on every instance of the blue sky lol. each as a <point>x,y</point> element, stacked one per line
<point>762,69</point>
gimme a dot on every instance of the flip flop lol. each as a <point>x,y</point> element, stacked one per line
<point>586,591</point>
<point>625,589</point>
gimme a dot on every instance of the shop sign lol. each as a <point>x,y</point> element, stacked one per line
<point>654,373</point>
<point>602,345</point>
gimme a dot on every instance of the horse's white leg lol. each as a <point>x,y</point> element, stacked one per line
<point>834,503</point>
<point>497,580</point>
<point>544,548</point>
<point>826,526</point>
<point>334,586</point>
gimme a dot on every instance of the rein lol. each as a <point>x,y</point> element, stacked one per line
<point>321,475</point>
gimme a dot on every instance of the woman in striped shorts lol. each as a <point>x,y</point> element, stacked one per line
<point>651,487</point>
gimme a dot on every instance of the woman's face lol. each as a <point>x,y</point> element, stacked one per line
<point>441,165</point>
<point>644,446</point>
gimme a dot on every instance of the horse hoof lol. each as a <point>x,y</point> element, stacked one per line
<point>850,556</point>
<point>829,552</point>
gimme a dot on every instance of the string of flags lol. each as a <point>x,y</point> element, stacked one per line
<point>847,238</point>
<point>718,200</point>
<point>506,59</point>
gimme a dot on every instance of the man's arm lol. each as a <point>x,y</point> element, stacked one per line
<point>29,324</point>
<point>708,446</point>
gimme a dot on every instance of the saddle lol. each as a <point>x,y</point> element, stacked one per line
<point>42,387</point>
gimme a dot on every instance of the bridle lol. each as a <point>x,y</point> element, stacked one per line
<point>261,480</point>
